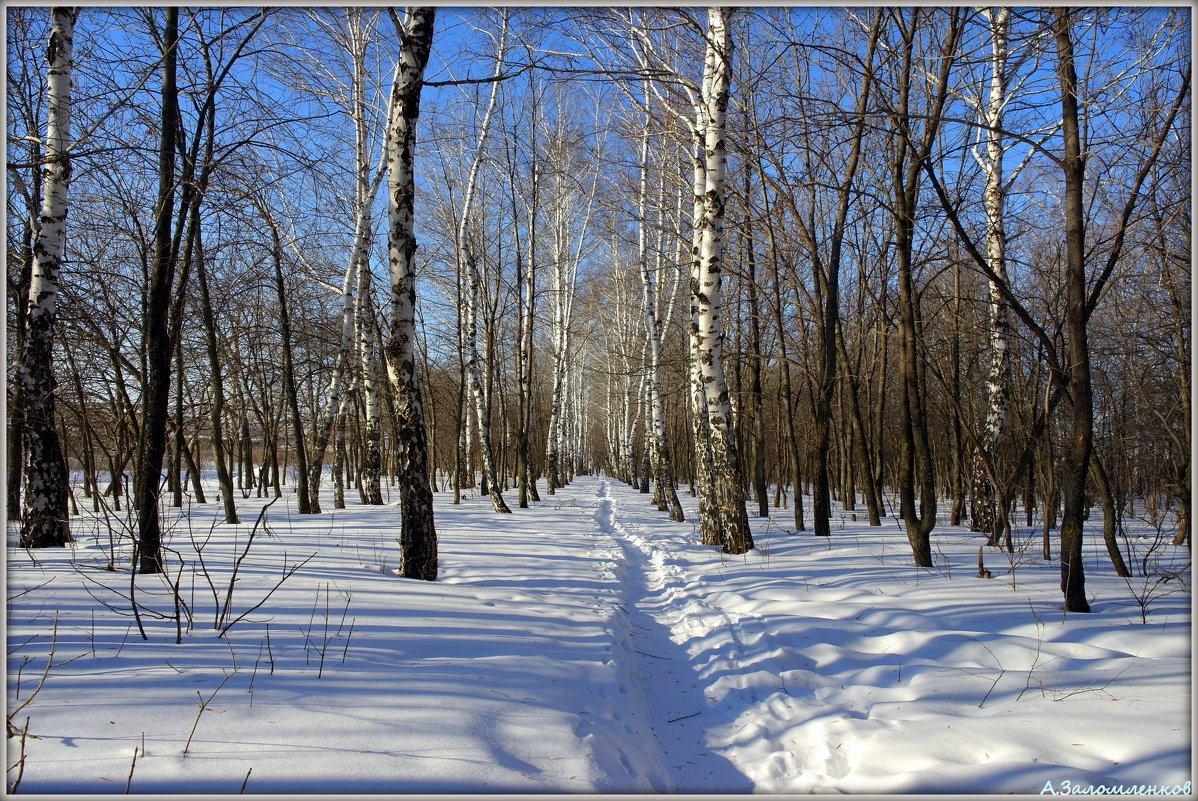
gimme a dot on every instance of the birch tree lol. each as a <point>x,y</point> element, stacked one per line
<point>984,516</point>
<point>337,389</point>
<point>354,316</point>
<point>26,92</point>
<point>711,531</point>
<point>45,522</point>
<point>364,195</point>
<point>636,35</point>
<point>726,485</point>
<point>418,536</point>
<point>372,435</point>
<point>467,255</point>
<point>562,278</point>
<point>657,442</point>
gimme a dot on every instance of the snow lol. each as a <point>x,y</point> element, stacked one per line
<point>587,645</point>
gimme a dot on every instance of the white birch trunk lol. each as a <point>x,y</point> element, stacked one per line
<point>984,512</point>
<point>364,194</point>
<point>372,461</point>
<point>567,436</point>
<point>625,431</point>
<point>333,396</point>
<point>556,446</point>
<point>620,339</point>
<point>609,413</point>
<point>633,398</point>
<point>557,335</point>
<point>647,457</point>
<point>577,419</point>
<point>726,485</point>
<point>418,543</point>
<point>470,479</point>
<point>45,519</point>
<point>665,494</point>
<point>710,531</point>
<point>474,372</point>
<point>528,478</point>
<point>563,272</point>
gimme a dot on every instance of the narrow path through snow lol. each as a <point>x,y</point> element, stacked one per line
<point>660,700</point>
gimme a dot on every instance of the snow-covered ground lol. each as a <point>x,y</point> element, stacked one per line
<point>586,645</point>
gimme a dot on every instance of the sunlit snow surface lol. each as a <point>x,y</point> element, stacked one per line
<point>589,644</point>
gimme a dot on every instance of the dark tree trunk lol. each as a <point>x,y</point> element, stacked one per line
<point>792,438</point>
<point>821,512</point>
<point>915,454</point>
<point>873,501</point>
<point>524,479</point>
<point>915,464</point>
<point>193,469</point>
<point>1110,517</point>
<point>297,423</point>
<point>1081,437</point>
<point>176,467</point>
<point>155,331</point>
<point>217,407</point>
<point>246,474</point>
<point>91,488</point>
<point>957,482</point>
<point>760,488</point>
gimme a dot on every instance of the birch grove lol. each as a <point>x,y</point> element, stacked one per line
<point>352,31</point>
<point>924,264</point>
<point>469,266</point>
<point>570,201</point>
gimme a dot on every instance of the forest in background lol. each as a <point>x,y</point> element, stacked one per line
<point>927,263</point>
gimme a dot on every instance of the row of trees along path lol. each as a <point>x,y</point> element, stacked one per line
<point>935,260</point>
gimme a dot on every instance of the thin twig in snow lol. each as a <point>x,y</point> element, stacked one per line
<point>684,717</point>
<point>132,767</point>
<point>204,708</point>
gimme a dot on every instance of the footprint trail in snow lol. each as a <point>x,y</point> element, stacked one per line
<point>659,699</point>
